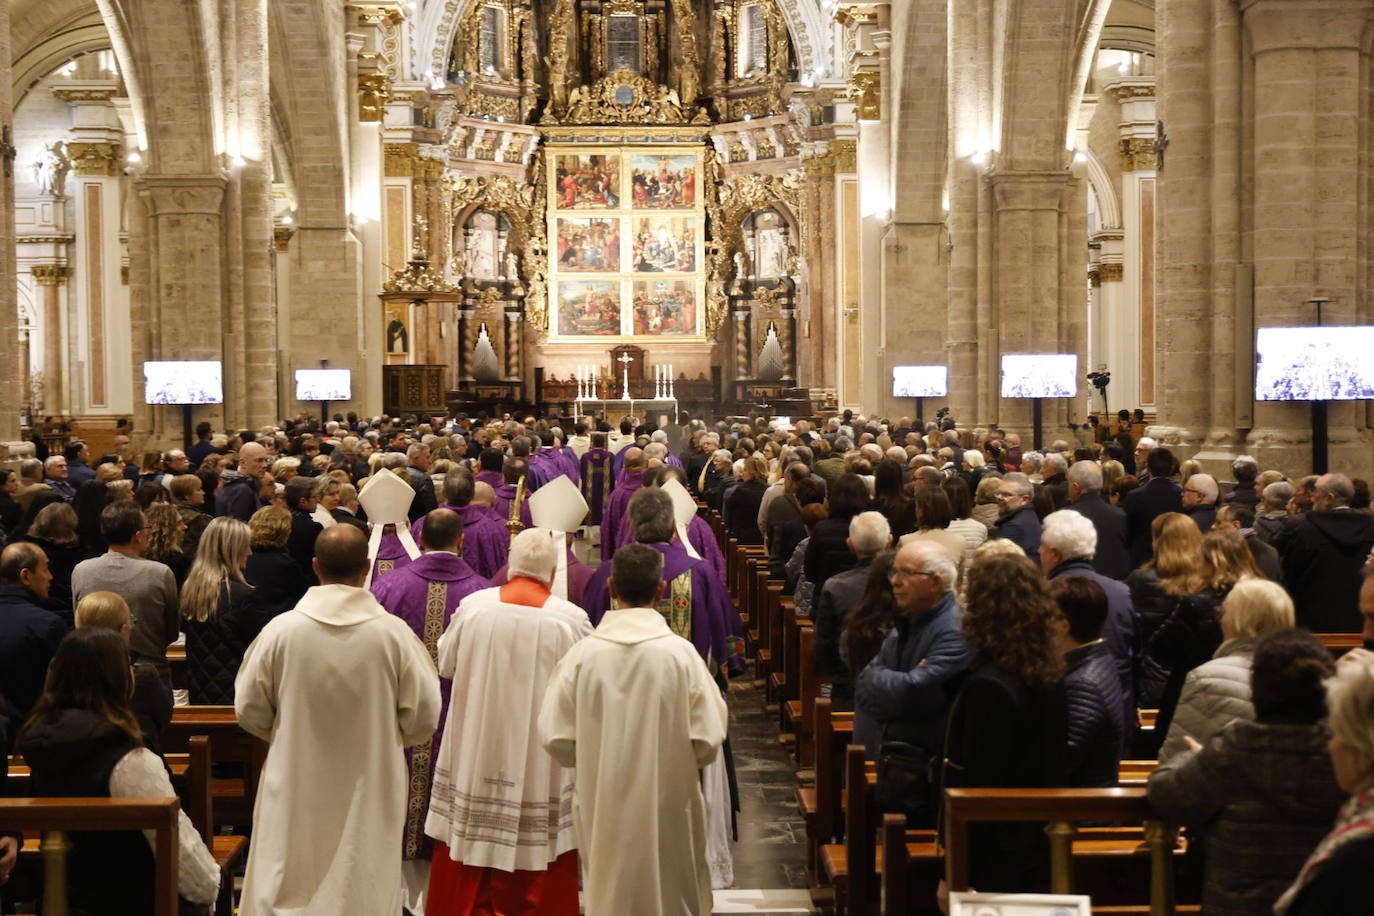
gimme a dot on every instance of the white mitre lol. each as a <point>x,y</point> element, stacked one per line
<point>558,507</point>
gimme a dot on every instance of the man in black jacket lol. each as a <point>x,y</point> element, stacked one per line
<point>300,544</point>
<point>238,493</point>
<point>1096,708</point>
<point>1113,557</point>
<point>28,634</point>
<point>1145,504</point>
<point>1323,551</point>
<point>869,533</point>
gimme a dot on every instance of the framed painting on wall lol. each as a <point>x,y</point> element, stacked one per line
<point>588,308</point>
<point>664,244</point>
<point>664,308</point>
<point>663,181</point>
<point>590,244</point>
<point>587,181</point>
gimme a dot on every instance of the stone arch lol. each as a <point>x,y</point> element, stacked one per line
<point>45,34</point>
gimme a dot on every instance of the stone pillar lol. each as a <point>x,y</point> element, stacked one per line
<point>11,383</point>
<point>1311,111</point>
<point>787,339</point>
<point>52,279</point>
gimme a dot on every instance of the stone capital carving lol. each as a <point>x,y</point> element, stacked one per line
<point>866,89</point>
<point>374,91</point>
<point>1110,271</point>
<point>85,93</point>
<point>173,196</point>
<point>93,157</point>
<point>1138,154</point>
<point>281,237</point>
<point>50,274</point>
<point>846,155</point>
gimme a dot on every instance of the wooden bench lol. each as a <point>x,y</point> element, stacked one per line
<point>56,817</point>
<point>229,743</point>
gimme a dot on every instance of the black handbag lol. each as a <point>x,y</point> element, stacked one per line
<point>905,781</point>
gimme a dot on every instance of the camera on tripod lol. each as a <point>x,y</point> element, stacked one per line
<point>1100,379</point>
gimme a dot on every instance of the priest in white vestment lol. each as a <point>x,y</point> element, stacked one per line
<point>500,808</point>
<point>338,687</point>
<point>635,710</point>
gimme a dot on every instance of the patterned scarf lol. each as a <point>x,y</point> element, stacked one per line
<point>1355,822</point>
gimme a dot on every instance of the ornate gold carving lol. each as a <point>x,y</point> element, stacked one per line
<point>846,156</point>
<point>625,134</point>
<point>865,88</point>
<point>482,104</point>
<point>1111,271</point>
<point>1138,154</point>
<point>689,73</point>
<point>1095,276</point>
<point>852,16</point>
<point>281,237</point>
<point>374,91</point>
<point>739,152</point>
<point>1126,91</point>
<point>93,157</point>
<point>418,278</point>
<point>645,102</point>
<point>50,274</point>
<point>85,94</point>
<point>399,159</point>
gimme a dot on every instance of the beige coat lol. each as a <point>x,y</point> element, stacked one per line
<point>635,710</point>
<point>338,687</point>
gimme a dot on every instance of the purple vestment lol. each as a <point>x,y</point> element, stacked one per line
<point>614,525</point>
<point>391,556</point>
<point>618,461</point>
<point>715,621</point>
<point>493,479</point>
<point>704,540</point>
<point>424,595</point>
<point>505,495</point>
<point>596,482</point>
<point>486,539</point>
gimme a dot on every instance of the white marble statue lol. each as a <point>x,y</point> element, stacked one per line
<point>50,169</point>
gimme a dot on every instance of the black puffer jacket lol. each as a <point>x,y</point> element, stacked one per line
<point>215,647</point>
<point>1096,717</point>
<point>1151,601</point>
<point>1187,639</point>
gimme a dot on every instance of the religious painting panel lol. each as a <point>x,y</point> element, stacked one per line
<point>664,244</point>
<point>663,181</point>
<point>586,181</point>
<point>396,322</point>
<point>588,308</point>
<point>588,245</point>
<point>665,308</point>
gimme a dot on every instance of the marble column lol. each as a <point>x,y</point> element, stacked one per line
<point>52,280</point>
<point>742,349</point>
<point>1133,328</point>
<point>11,382</point>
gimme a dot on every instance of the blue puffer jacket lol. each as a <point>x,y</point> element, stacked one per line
<point>1097,728</point>
<point>899,698</point>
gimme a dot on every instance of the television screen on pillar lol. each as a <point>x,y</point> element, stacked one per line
<point>1039,375</point>
<point>920,381</point>
<point>1314,364</point>
<point>182,382</point>
<point>324,384</point>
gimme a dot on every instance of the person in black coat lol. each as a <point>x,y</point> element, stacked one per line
<point>1323,551</point>
<point>1200,501</point>
<point>1097,709</point>
<point>152,698</point>
<point>223,612</point>
<point>741,503</point>
<point>29,634</point>
<point>869,534</point>
<point>1007,726</point>
<point>1238,517</point>
<point>10,511</point>
<point>828,550</point>
<point>1153,499</point>
<point>1113,556</point>
<point>1019,522</point>
<point>300,499</point>
<point>271,570</point>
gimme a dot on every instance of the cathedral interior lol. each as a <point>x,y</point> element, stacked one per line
<point>732,203</point>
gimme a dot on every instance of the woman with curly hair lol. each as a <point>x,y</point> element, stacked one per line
<point>165,533</point>
<point>1008,725</point>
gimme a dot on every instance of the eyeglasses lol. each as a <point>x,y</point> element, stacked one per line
<point>897,572</point>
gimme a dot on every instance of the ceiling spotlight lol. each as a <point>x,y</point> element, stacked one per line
<point>133,158</point>
<point>1080,157</point>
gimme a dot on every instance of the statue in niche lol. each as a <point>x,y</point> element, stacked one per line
<point>512,266</point>
<point>50,169</point>
<point>772,253</point>
<point>741,265</point>
<point>481,247</point>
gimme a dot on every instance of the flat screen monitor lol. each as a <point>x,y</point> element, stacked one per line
<point>1039,375</point>
<point>324,384</point>
<point>1314,364</point>
<point>183,382</point>
<point>920,381</point>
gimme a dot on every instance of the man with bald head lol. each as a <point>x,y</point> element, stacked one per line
<point>238,492</point>
<point>338,687</point>
<point>614,531</point>
<point>1323,550</point>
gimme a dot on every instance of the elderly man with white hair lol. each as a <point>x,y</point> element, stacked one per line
<point>1067,545</point>
<point>901,695</point>
<point>1113,556</point>
<point>1323,551</point>
<point>1200,501</point>
<point>869,533</point>
<point>501,807</point>
<point>1144,445</point>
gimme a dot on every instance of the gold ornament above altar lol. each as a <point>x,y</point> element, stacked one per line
<point>625,97</point>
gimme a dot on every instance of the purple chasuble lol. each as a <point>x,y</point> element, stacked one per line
<point>596,482</point>
<point>494,479</point>
<point>486,539</point>
<point>716,624</point>
<point>615,528</point>
<point>424,595</point>
<point>618,462</point>
<point>391,556</point>
<point>704,540</point>
<point>505,495</point>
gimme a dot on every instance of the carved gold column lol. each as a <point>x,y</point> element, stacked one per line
<point>787,339</point>
<point>51,277</point>
<point>689,77</point>
<point>742,343</point>
<point>557,61</point>
<point>467,339</point>
<point>513,344</point>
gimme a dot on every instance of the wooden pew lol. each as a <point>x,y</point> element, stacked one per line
<point>56,817</point>
<point>228,744</point>
<point>798,713</point>
<point>1061,808</point>
<point>1341,643</point>
<point>230,852</point>
<point>850,867</point>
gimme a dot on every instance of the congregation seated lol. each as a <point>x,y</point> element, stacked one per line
<point>150,701</point>
<point>223,613</point>
<point>83,740</point>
